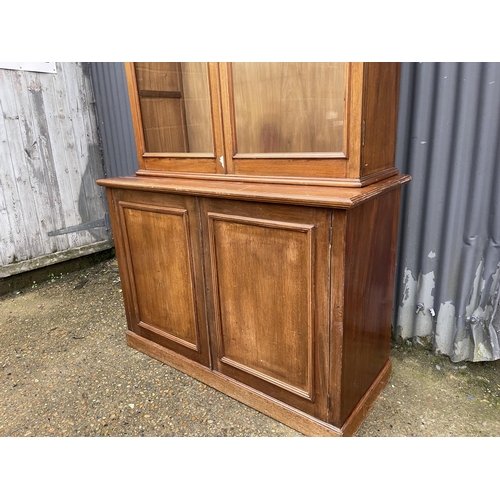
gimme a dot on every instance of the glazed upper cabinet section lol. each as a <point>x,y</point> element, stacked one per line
<point>333,123</point>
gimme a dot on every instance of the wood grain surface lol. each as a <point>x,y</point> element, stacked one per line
<point>267,276</point>
<point>159,253</point>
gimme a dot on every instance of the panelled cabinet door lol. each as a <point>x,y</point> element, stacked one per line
<point>267,278</point>
<point>158,238</point>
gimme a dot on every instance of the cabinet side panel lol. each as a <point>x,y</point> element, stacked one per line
<point>121,257</point>
<point>380,117</point>
<point>369,275</point>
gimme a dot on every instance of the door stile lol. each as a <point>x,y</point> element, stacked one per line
<point>228,123</point>
<point>217,117</point>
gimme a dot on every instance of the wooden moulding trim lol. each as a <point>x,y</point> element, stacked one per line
<point>276,156</point>
<point>377,188</point>
<point>178,155</point>
<point>169,336</point>
<point>267,378</point>
<point>296,419</point>
<point>316,196</point>
<point>302,181</point>
<point>288,171</point>
<point>378,176</point>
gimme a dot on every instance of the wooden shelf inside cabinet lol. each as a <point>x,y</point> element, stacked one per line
<point>290,123</point>
<point>260,290</point>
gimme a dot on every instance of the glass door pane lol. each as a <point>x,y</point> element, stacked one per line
<point>175,107</point>
<point>288,107</point>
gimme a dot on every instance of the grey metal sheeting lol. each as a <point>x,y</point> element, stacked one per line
<point>448,265</point>
<point>114,118</point>
<point>448,275</point>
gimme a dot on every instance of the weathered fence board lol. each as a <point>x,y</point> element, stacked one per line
<point>49,162</point>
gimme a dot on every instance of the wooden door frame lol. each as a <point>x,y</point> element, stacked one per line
<point>201,163</point>
<point>312,165</point>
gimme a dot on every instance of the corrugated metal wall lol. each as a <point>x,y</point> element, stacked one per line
<point>449,247</point>
<point>115,119</point>
<point>448,277</point>
<point>49,162</point>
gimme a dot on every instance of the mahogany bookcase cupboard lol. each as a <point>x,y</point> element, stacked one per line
<point>256,243</point>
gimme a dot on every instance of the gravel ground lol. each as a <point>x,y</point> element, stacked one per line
<point>65,370</point>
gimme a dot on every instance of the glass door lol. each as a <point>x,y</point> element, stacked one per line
<point>177,115</point>
<point>291,112</point>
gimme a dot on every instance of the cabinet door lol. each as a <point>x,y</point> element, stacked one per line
<point>267,272</point>
<point>157,241</point>
<point>176,116</point>
<point>290,118</point>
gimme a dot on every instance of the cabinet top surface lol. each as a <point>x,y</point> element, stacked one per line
<point>320,196</point>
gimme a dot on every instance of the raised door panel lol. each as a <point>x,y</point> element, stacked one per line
<point>268,276</point>
<point>160,236</point>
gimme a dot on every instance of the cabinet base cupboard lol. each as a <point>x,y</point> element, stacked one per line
<point>276,295</point>
<point>256,243</point>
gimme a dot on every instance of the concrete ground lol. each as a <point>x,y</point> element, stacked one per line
<point>65,370</point>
